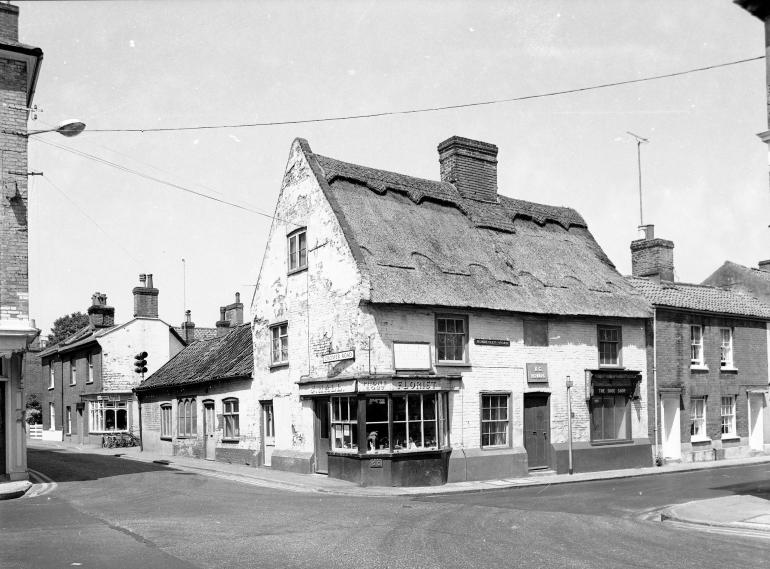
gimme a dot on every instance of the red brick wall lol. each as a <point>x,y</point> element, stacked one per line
<point>9,22</point>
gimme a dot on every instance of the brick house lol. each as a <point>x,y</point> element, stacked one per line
<point>200,402</point>
<point>746,280</point>
<point>710,352</point>
<point>88,378</point>
<point>413,332</point>
<point>19,69</point>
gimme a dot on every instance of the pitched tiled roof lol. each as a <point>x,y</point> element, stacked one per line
<point>226,357</point>
<point>420,242</point>
<point>701,298</point>
<point>199,333</point>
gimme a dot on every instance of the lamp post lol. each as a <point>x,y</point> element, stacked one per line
<point>569,422</point>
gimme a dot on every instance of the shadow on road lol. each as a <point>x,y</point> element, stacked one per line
<point>67,466</point>
<point>760,489</point>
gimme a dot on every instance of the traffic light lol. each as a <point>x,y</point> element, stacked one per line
<point>140,362</point>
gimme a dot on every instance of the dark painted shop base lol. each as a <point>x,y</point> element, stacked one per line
<point>428,468</point>
<point>587,457</point>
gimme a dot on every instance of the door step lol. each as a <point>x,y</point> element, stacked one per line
<point>542,472</point>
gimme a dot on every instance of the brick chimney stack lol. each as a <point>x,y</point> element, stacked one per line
<point>101,315</point>
<point>223,325</point>
<point>145,298</point>
<point>651,257</point>
<point>471,165</point>
<point>9,22</point>
<point>188,328</point>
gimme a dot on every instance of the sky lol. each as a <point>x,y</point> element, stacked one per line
<point>136,65</point>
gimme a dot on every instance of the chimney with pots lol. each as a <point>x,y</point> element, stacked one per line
<point>188,328</point>
<point>145,298</point>
<point>471,165</point>
<point>234,311</point>
<point>223,325</point>
<point>651,257</point>
<point>99,314</point>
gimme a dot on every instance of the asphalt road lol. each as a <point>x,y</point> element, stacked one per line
<point>116,513</point>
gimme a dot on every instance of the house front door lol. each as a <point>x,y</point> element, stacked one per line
<point>669,418</point>
<point>322,439</point>
<point>209,426</point>
<point>268,432</point>
<point>756,424</point>
<point>537,427</point>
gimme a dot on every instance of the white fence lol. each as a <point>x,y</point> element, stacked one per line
<point>35,431</point>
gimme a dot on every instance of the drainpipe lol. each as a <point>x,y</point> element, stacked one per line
<point>655,377</point>
<point>141,438</point>
<point>569,422</point>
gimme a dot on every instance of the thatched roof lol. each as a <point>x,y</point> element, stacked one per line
<point>203,361</point>
<point>421,243</point>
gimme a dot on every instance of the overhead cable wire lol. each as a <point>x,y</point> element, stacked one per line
<point>89,218</point>
<point>159,180</point>
<point>432,109</point>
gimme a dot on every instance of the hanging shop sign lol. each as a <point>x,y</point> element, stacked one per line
<point>537,373</point>
<point>491,342</point>
<point>338,356</point>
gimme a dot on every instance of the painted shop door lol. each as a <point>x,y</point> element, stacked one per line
<point>268,432</point>
<point>537,427</point>
<point>3,450</point>
<point>209,426</point>
<point>322,439</point>
<point>669,418</point>
<point>756,426</point>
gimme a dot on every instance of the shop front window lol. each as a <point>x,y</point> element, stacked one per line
<point>344,423</point>
<point>108,416</point>
<point>610,414</point>
<point>377,424</point>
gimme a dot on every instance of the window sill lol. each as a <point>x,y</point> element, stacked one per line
<point>165,438</point>
<point>231,440</point>
<point>271,367</point>
<point>608,366</point>
<point>51,388</point>
<point>495,447</point>
<point>184,437</point>
<point>730,437</point>
<point>612,442</point>
<point>699,367</point>
<point>295,271</point>
<point>700,440</point>
<point>728,369</point>
<point>89,381</point>
<point>453,364</point>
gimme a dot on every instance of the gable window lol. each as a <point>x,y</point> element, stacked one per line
<point>90,378</point>
<point>494,420</point>
<point>609,346</point>
<point>187,417</point>
<point>698,418</point>
<point>51,375</point>
<point>298,250</point>
<point>451,338</point>
<point>696,345</point>
<point>165,421</point>
<point>73,371</point>
<point>535,333</point>
<point>728,416</point>
<point>230,415</point>
<point>279,334</point>
<point>726,348</point>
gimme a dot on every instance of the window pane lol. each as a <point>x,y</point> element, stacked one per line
<point>414,407</point>
<point>399,408</point>
<point>535,333</point>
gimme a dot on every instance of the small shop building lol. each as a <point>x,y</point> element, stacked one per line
<point>413,332</point>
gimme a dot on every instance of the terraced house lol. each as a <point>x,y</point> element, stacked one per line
<point>412,332</point>
<point>709,350</point>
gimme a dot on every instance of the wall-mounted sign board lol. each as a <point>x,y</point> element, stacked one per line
<point>338,356</point>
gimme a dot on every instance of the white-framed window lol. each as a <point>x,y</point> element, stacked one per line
<point>726,348</point>
<point>108,416</point>
<point>451,338</point>
<point>279,334</point>
<point>52,416</point>
<point>297,247</point>
<point>90,378</point>
<point>51,376</point>
<point>698,418</point>
<point>495,423</point>
<point>187,417</point>
<point>728,416</point>
<point>609,339</point>
<point>696,345</point>
<point>344,423</point>
<point>73,371</point>
<point>230,415</point>
<point>166,424</point>
<point>68,423</point>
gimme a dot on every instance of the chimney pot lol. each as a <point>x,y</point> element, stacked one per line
<point>652,257</point>
<point>145,298</point>
<point>99,314</point>
<point>471,165</point>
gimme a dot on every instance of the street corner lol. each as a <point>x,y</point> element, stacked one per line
<point>739,511</point>
<point>11,490</point>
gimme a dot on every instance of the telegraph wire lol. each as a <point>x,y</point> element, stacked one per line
<point>89,218</point>
<point>159,180</point>
<point>432,109</point>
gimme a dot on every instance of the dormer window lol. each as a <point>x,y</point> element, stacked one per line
<point>297,248</point>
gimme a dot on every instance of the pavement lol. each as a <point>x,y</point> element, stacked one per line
<point>737,512</point>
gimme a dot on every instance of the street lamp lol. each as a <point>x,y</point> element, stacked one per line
<point>68,128</point>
